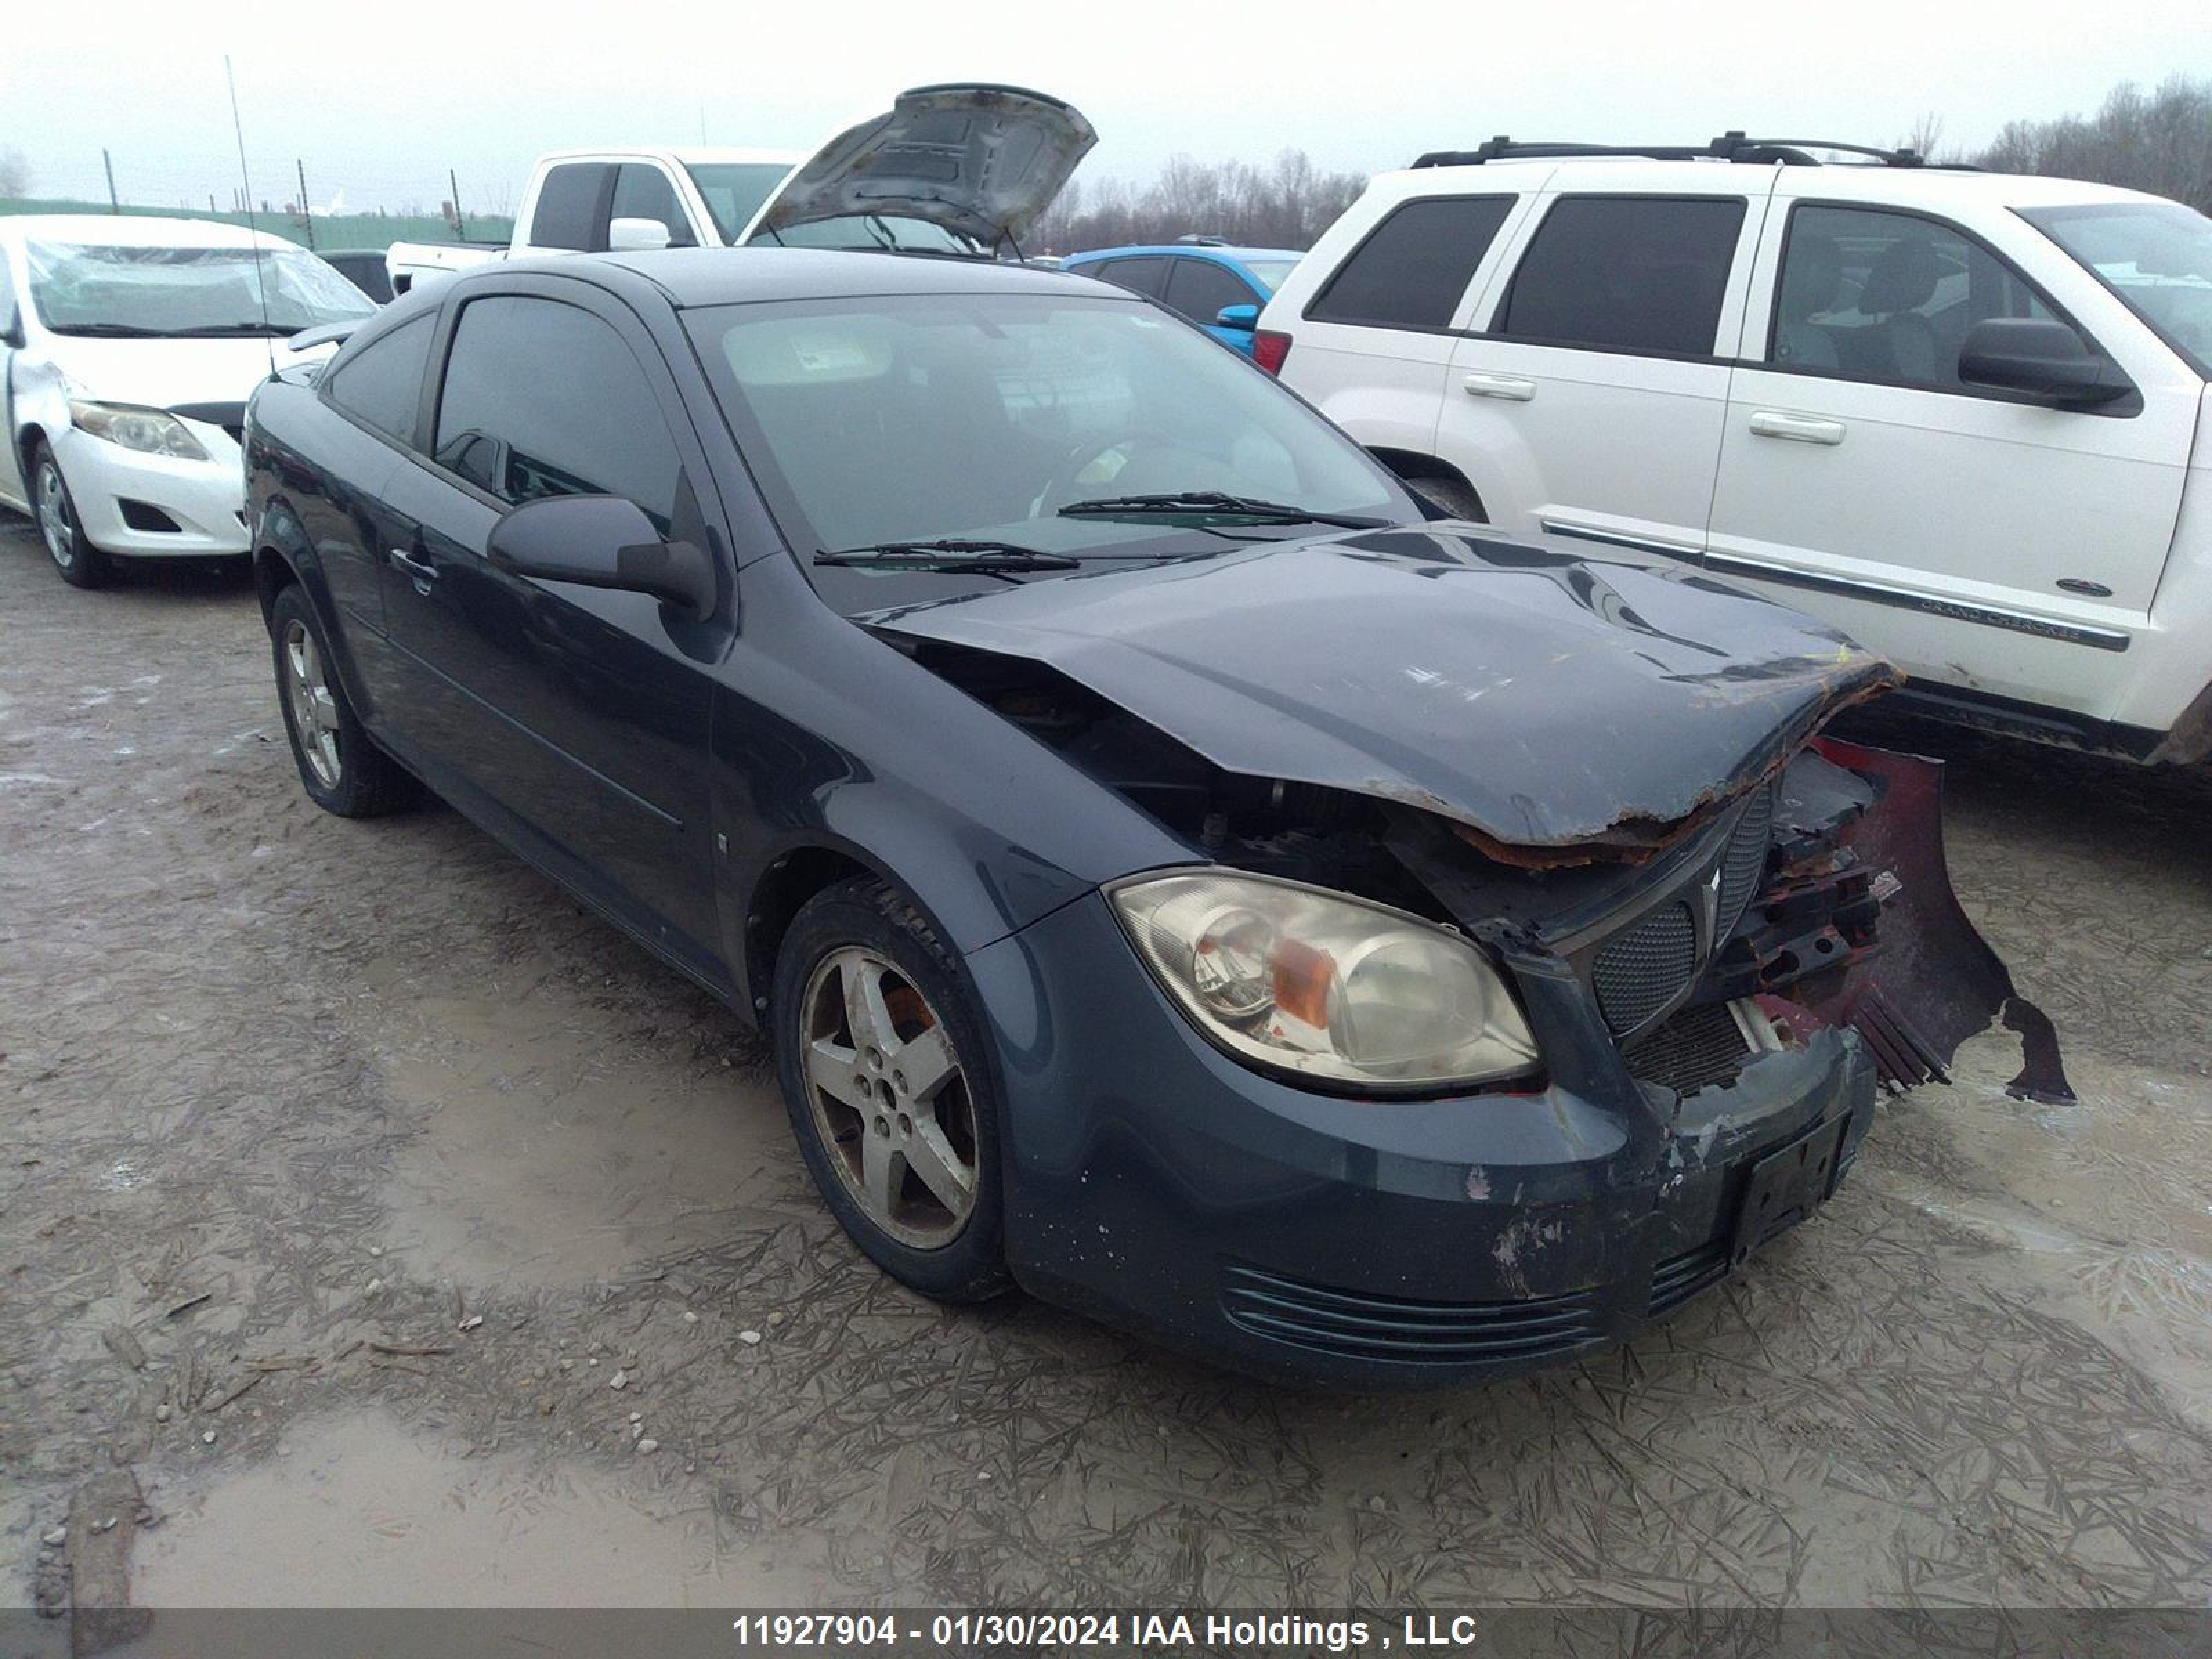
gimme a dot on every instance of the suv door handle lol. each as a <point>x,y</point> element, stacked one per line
<point>1803,428</point>
<point>421,570</point>
<point>1510,387</point>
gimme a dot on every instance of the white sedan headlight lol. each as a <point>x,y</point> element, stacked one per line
<point>150,431</point>
<point>1324,985</point>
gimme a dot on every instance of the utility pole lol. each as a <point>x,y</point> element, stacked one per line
<point>460,225</point>
<point>307,213</point>
<point>108,161</point>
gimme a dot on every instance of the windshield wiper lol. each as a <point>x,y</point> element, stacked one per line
<point>224,330</point>
<point>988,558</point>
<point>110,331</point>
<point>1212,502</point>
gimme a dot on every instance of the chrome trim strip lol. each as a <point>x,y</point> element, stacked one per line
<point>1616,538</point>
<point>2018,622</point>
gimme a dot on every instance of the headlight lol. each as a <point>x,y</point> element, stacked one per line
<point>1317,983</point>
<point>150,431</point>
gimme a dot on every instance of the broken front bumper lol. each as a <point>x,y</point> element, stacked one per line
<point>1155,1183</point>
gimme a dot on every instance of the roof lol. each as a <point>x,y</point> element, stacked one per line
<point>733,276</point>
<point>1866,181</point>
<point>683,154</point>
<point>1188,250</point>
<point>133,230</point>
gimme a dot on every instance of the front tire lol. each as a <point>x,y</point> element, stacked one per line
<point>340,765</point>
<point>79,563</point>
<point>891,1096</point>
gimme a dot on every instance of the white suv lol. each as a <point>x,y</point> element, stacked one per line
<point>1961,415</point>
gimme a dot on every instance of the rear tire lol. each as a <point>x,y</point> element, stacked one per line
<point>341,766</point>
<point>79,563</point>
<point>893,1100</point>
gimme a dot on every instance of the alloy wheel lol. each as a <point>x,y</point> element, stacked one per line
<point>55,523</point>
<point>314,710</point>
<point>889,1097</point>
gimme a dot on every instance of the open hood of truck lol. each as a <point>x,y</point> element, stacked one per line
<point>1546,701</point>
<point>983,161</point>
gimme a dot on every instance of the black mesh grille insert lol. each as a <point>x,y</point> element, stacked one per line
<point>1639,972</point>
<point>1697,1047</point>
<point>1743,867</point>
<point>1358,1326</point>
<point>145,517</point>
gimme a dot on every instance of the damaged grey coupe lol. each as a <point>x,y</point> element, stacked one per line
<point>1180,875</point>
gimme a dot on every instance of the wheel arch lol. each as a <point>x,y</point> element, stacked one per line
<point>1412,466</point>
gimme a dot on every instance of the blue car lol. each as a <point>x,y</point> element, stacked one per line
<point>1198,278</point>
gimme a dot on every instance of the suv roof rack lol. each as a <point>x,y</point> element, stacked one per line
<point>1732,146</point>
<point>1194,239</point>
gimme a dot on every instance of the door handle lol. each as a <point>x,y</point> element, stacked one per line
<point>1799,429</point>
<point>421,570</point>
<point>1511,388</point>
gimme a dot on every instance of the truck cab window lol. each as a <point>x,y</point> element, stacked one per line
<point>643,191</point>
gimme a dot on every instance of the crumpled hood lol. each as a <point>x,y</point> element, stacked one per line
<point>162,374</point>
<point>1543,699</point>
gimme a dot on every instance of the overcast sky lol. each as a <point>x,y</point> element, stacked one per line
<point>380,99</point>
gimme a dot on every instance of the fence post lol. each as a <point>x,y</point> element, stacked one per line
<point>306,213</point>
<point>108,161</point>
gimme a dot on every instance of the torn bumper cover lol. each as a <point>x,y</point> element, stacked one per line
<point>1723,931</point>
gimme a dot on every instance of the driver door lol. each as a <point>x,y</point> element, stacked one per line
<point>1987,544</point>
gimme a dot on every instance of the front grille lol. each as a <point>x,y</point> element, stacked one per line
<point>1353,1325</point>
<point>1646,968</point>
<point>1743,867</point>
<point>1694,1049</point>
<point>1678,1278</point>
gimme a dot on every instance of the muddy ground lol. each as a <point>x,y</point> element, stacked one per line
<point>278,1089</point>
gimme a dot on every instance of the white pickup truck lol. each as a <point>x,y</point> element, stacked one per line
<point>960,169</point>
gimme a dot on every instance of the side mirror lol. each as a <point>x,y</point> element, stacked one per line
<point>2041,359</point>
<point>601,541</point>
<point>11,333</point>
<point>1244,319</point>
<point>636,235</point>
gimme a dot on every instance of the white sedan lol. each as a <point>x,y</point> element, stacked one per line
<point>128,348</point>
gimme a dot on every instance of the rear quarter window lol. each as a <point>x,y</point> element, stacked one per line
<point>1413,267</point>
<point>381,384</point>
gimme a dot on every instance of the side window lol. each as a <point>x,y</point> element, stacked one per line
<point>1198,289</point>
<point>1886,296</point>
<point>1146,275</point>
<point>568,213</point>
<point>381,384</point>
<point>642,191</point>
<point>1626,273</point>
<point>1414,266</point>
<point>511,423</point>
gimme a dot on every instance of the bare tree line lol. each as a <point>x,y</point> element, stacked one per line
<point>2159,141</point>
<point>1287,203</point>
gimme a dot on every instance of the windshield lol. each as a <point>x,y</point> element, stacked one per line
<point>735,190</point>
<point>1269,273</point>
<point>2155,256</point>
<point>98,288</point>
<point>984,416</point>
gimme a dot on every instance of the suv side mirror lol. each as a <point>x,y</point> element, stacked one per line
<point>601,541</point>
<point>2042,359</point>
<point>636,235</point>
<point>1244,319</point>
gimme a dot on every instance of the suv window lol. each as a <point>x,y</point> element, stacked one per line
<point>381,384</point>
<point>1198,289</point>
<point>1886,296</point>
<point>643,191</point>
<point>568,213</point>
<point>1146,275</point>
<point>510,419</point>
<point>1414,266</point>
<point>1626,273</point>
